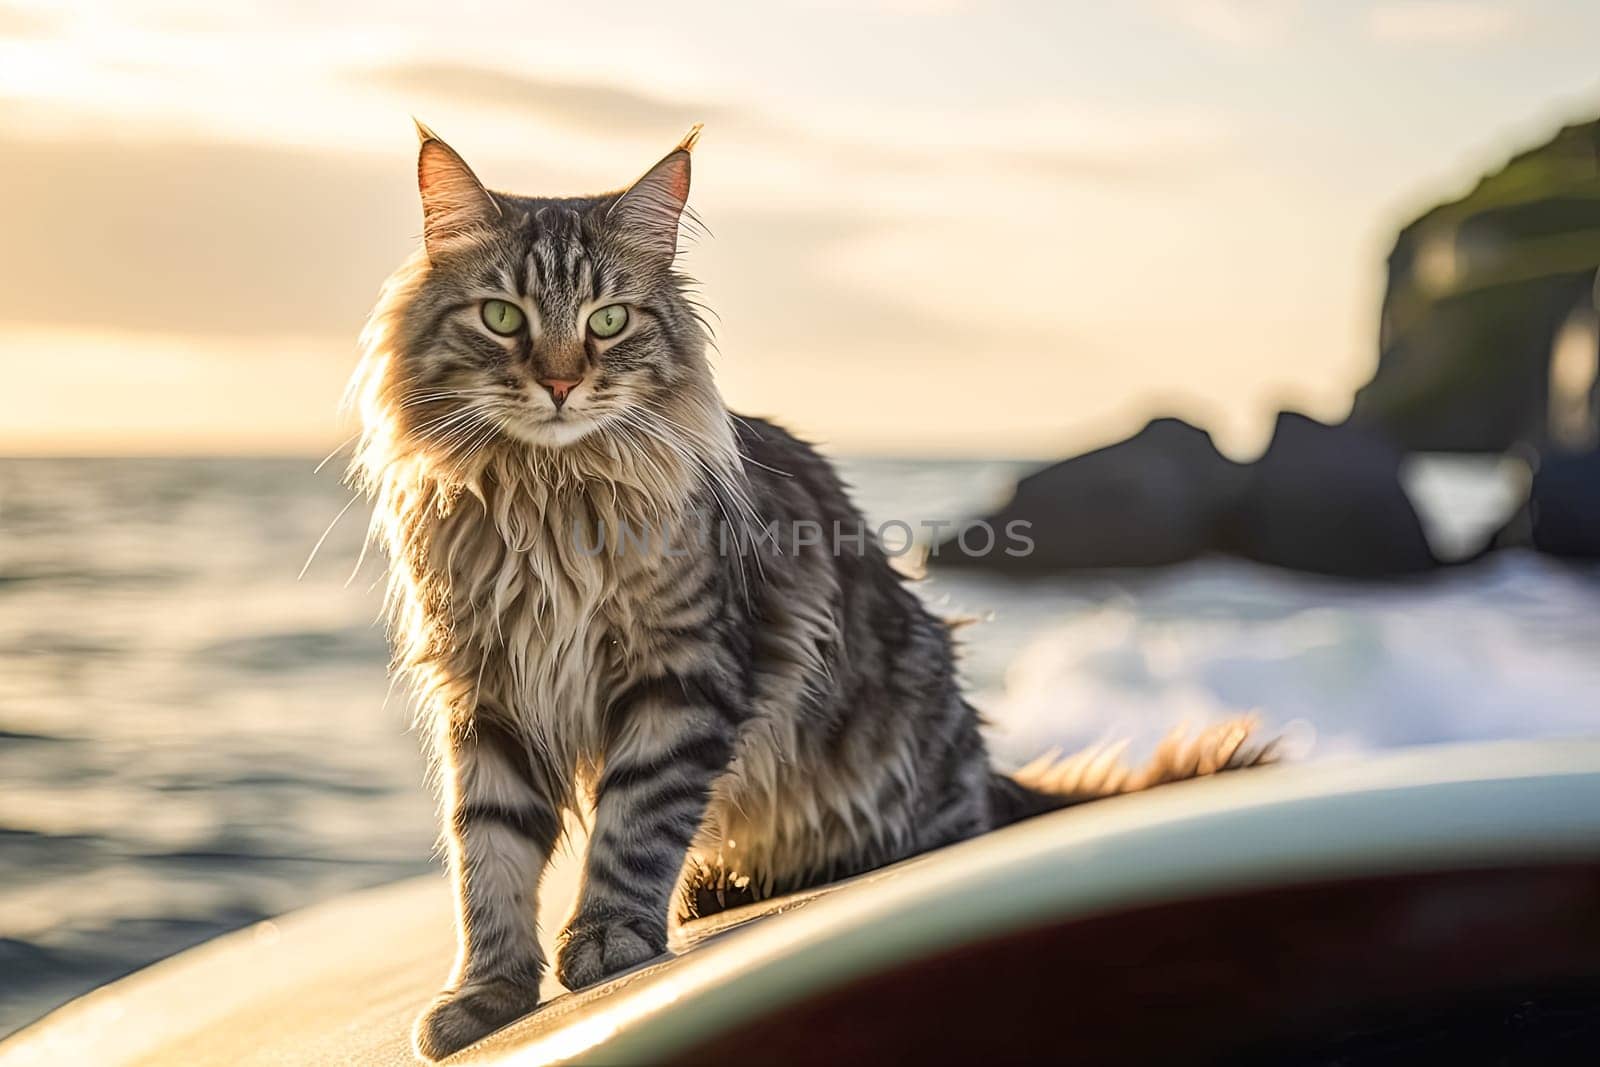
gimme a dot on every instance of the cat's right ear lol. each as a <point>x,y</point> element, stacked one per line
<point>454,201</point>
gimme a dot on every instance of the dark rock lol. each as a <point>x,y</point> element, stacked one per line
<point>1152,499</point>
<point>1478,290</point>
<point>1324,499</point>
<point>1327,499</point>
<point>1476,377</point>
<point>1562,515</point>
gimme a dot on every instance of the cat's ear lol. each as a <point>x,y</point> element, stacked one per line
<point>648,212</point>
<point>453,199</point>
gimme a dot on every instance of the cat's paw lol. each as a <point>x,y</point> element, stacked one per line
<point>458,1017</point>
<point>592,951</point>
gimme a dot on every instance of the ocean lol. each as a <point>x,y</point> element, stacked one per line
<point>193,739</point>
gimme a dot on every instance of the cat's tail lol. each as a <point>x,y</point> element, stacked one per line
<point>1050,782</point>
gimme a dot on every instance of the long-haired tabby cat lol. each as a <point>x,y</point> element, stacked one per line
<point>757,708</point>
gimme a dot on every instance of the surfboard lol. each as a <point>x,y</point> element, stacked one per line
<point>941,944</point>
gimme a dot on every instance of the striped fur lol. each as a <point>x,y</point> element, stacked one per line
<point>736,710</point>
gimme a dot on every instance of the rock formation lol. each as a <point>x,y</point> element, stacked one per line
<point>1478,290</point>
<point>1154,498</point>
<point>1324,499</point>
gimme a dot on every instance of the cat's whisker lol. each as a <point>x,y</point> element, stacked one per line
<point>473,441</point>
<point>716,483</point>
<point>316,547</point>
<point>340,447</point>
<point>718,478</point>
<point>436,398</point>
<point>447,429</point>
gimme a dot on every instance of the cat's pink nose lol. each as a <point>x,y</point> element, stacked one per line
<point>558,388</point>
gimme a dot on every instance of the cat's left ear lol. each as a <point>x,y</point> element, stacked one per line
<point>649,211</point>
<point>453,199</point>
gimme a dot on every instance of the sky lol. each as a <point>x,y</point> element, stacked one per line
<point>938,226</point>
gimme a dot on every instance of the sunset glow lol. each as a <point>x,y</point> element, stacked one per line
<point>1112,209</point>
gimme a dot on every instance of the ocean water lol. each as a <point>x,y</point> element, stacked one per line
<point>193,739</point>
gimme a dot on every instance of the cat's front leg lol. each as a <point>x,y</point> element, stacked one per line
<point>673,737</point>
<point>500,826</point>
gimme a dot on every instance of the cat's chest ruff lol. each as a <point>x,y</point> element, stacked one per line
<point>569,621</point>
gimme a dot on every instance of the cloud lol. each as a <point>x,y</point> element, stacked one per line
<point>1237,23</point>
<point>896,7</point>
<point>589,108</point>
<point>765,257</point>
<point>1144,164</point>
<point>196,237</point>
<point>1442,22</point>
<point>252,241</point>
<point>16,23</point>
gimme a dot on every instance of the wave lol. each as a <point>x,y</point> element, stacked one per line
<point>1507,651</point>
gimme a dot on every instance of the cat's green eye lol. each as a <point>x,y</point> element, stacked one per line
<point>608,321</point>
<point>502,316</point>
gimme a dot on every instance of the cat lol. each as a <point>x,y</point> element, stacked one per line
<point>737,706</point>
